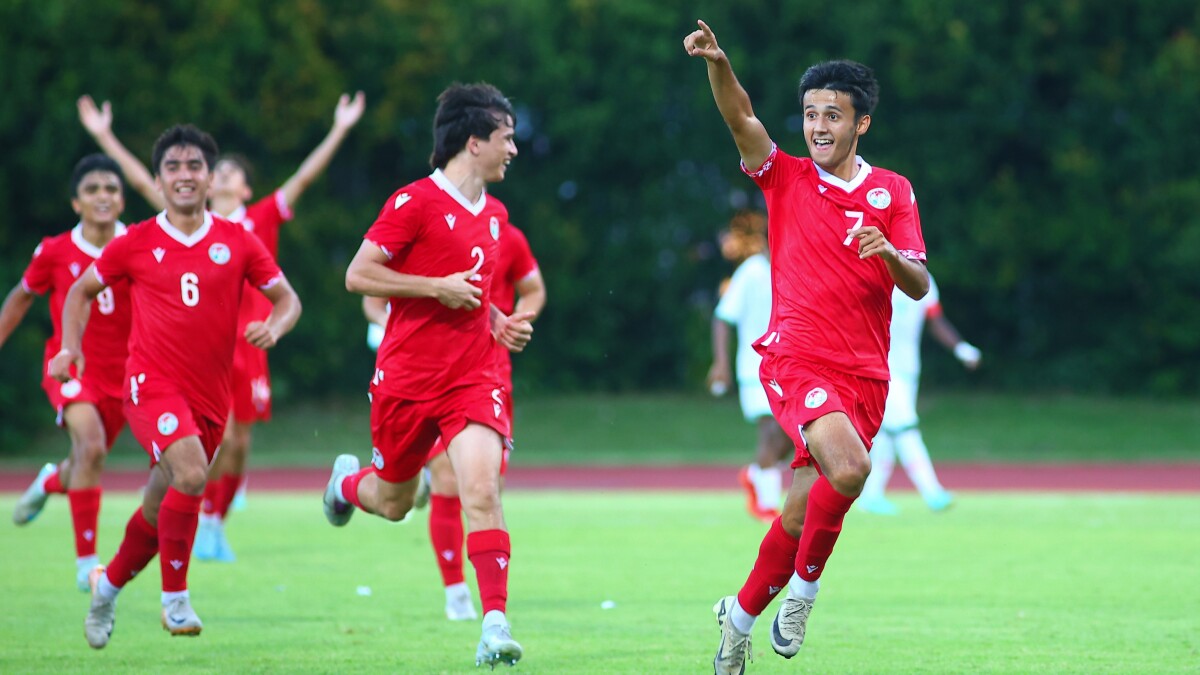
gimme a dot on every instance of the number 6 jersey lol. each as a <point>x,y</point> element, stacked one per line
<point>429,229</point>
<point>185,291</point>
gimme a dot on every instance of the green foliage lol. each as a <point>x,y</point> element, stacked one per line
<point>1050,142</point>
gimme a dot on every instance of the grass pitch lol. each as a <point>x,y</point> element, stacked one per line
<point>1021,583</point>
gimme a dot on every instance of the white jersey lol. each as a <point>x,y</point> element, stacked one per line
<point>908,322</point>
<point>747,305</point>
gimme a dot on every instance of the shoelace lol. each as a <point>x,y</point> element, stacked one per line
<point>794,619</point>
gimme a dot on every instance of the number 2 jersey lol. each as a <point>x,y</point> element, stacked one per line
<point>57,263</point>
<point>830,307</point>
<point>429,229</point>
<point>185,291</point>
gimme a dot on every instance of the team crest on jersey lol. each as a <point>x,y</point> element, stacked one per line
<point>219,253</point>
<point>75,269</point>
<point>377,459</point>
<point>815,398</point>
<point>70,388</point>
<point>168,423</point>
<point>880,198</point>
<point>495,226</point>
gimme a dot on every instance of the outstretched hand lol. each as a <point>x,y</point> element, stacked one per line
<point>349,110</point>
<point>97,121</point>
<point>513,332</point>
<point>702,42</point>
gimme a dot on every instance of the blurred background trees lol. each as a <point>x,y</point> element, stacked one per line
<point>1052,146</point>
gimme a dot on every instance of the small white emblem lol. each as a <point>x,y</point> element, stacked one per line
<point>775,386</point>
<point>502,562</point>
<point>377,459</point>
<point>75,269</point>
<point>168,423</point>
<point>495,226</point>
<point>159,253</point>
<point>812,568</point>
<point>879,198</point>
<point>402,199</point>
<point>248,225</point>
<point>816,398</point>
<point>219,253</point>
<point>177,564</point>
<point>821,189</point>
<point>450,220</point>
<point>70,388</point>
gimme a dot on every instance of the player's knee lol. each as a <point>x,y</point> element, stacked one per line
<point>90,454</point>
<point>189,480</point>
<point>848,478</point>
<point>394,510</point>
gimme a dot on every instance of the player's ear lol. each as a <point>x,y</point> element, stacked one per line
<point>76,206</point>
<point>864,123</point>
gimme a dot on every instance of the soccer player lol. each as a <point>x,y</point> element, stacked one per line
<point>433,252</point>
<point>899,433</point>
<point>186,271</point>
<point>88,405</point>
<point>229,198</point>
<point>746,305</point>
<point>842,234</point>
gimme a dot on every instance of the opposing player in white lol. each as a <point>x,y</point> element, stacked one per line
<point>899,434</point>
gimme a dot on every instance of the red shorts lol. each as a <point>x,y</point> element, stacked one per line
<point>403,432</point>
<point>110,408</point>
<point>800,392</point>
<point>158,421</point>
<point>439,447</point>
<point>251,383</point>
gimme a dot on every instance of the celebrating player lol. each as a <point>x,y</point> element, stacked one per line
<point>842,234</point>
<point>433,252</point>
<point>228,198</point>
<point>88,405</point>
<point>186,270</point>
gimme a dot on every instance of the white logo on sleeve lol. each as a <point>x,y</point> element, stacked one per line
<point>495,227</point>
<point>377,459</point>
<point>159,253</point>
<point>168,423</point>
<point>401,200</point>
<point>75,269</point>
<point>880,198</point>
<point>70,388</point>
<point>815,398</point>
<point>776,388</point>
<point>450,221</point>
<point>219,253</point>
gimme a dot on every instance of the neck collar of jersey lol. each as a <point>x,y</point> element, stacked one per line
<point>88,247</point>
<point>175,233</point>
<point>451,189</point>
<point>864,170</point>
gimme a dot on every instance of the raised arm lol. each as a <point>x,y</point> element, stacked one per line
<point>348,112</point>
<point>753,142</point>
<point>74,322</point>
<point>98,122</point>
<point>368,274</point>
<point>15,307</point>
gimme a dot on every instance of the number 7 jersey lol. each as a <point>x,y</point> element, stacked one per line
<point>429,229</point>
<point>185,291</point>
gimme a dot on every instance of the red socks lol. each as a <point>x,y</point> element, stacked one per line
<point>446,535</point>
<point>822,525</point>
<point>219,494</point>
<point>136,551</point>
<point>85,512</point>
<point>350,487</point>
<point>177,519</point>
<point>772,569</point>
<point>53,484</point>
<point>489,551</point>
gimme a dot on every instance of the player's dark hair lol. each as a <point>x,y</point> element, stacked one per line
<point>184,134</point>
<point>466,110</point>
<point>848,77</point>
<point>241,162</point>
<point>95,162</point>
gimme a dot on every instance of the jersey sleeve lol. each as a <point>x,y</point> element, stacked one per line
<point>111,266</point>
<point>905,228</point>
<point>38,275</point>
<point>775,169</point>
<point>522,261</point>
<point>397,226</point>
<point>262,271</point>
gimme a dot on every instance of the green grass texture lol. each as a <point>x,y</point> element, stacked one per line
<point>1001,583</point>
<point>696,429</point>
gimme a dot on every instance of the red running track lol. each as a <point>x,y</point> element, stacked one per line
<point>990,477</point>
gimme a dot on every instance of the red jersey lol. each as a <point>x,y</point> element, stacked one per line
<point>829,306</point>
<point>427,228</point>
<point>514,262</point>
<point>57,263</point>
<point>186,289</point>
<point>263,218</point>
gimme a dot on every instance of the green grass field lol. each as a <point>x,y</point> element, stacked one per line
<point>697,429</point>
<point>1020,583</point>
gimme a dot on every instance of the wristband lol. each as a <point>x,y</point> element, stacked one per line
<point>966,352</point>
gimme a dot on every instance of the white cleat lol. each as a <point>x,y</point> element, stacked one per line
<point>497,645</point>
<point>735,648</point>
<point>179,618</point>
<point>458,603</point>
<point>337,510</point>
<point>787,630</point>
<point>83,572</point>
<point>34,498</point>
<point>102,615</point>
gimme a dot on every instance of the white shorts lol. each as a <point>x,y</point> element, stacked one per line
<point>900,410</point>
<point>754,401</point>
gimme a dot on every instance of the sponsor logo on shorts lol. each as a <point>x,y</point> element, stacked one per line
<point>879,198</point>
<point>219,253</point>
<point>815,398</point>
<point>497,404</point>
<point>377,459</point>
<point>70,388</point>
<point>168,423</point>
